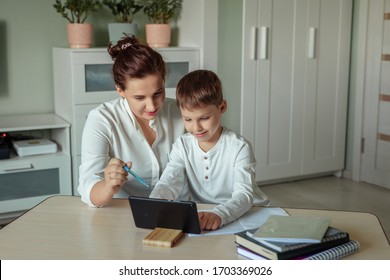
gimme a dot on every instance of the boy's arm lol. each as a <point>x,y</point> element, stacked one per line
<point>243,183</point>
<point>173,179</point>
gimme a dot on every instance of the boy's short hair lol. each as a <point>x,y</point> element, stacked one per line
<point>198,89</point>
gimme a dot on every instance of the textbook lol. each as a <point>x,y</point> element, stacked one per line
<point>332,238</point>
<point>297,229</point>
<point>249,254</point>
<point>331,234</point>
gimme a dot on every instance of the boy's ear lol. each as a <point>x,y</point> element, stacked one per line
<point>120,91</point>
<point>223,106</point>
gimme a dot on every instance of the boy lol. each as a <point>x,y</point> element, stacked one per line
<point>210,163</point>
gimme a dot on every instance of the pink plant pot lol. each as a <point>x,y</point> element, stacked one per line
<point>158,35</point>
<point>80,35</point>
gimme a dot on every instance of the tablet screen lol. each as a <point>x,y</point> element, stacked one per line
<point>151,213</point>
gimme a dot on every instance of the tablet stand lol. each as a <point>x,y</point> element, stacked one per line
<point>163,237</point>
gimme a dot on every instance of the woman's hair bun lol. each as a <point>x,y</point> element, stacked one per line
<point>124,43</point>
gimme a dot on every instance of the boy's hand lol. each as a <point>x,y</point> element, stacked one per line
<point>209,221</point>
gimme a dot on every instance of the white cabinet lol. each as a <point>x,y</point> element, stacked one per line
<point>27,180</point>
<point>295,85</point>
<point>83,80</point>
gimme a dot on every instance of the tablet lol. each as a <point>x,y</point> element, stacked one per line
<point>151,213</point>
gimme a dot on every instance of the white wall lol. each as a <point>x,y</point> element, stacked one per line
<point>30,29</point>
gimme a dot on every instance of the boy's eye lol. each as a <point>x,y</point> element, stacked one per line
<point>204,118</point>
<point>158,93</point>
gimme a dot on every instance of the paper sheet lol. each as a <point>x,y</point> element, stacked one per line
<point>254,218</point>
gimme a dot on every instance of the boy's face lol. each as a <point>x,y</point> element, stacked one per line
<point>204,123</point>
<point>145,96</point>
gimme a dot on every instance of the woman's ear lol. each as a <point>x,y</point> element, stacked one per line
<point>223,106</point>
<point>120,91</point>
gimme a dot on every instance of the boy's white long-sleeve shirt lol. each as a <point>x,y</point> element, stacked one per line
<point>225,175</point>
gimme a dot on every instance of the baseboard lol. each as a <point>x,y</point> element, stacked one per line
<point>298,178</point>
<point>347,174</point>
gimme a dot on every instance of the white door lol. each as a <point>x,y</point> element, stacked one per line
<point>295,85</point>
<point>376,132</point>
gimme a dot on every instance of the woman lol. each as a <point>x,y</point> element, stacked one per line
<point>136,130</point>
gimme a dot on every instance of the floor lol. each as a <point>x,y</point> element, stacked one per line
<point>333,193</point>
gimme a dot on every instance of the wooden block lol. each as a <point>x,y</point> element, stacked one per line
<point>163,237</point>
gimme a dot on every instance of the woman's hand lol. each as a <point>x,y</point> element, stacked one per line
<point>114,178</point>
<point>209,221</point>
<point>114,175</point>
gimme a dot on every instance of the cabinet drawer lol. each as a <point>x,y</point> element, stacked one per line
<point>29,183</point>
<point>24,182</point>
<point>26,163</point>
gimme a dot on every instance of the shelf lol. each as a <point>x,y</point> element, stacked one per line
<point>11,123</point>
<point>27,180</point>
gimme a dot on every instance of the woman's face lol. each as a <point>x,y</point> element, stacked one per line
<point>145,96</point>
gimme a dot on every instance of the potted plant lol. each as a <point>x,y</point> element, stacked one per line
<point>123,10</point>
<point>80,34</point>
<point>160,13</point>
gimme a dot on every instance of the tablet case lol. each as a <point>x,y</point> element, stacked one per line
<point>152,213</point>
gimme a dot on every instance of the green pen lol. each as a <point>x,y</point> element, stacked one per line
<point>139,179</point>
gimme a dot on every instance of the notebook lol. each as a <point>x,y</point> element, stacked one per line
<point>173,214</point>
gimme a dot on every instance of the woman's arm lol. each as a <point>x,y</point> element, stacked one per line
<point>100,176</point>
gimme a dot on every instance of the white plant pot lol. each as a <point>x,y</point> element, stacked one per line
<point>116,30</point>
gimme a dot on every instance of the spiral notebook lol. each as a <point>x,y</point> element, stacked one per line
<point>337,252</point>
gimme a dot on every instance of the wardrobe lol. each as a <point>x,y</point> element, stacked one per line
<point>295,79</point>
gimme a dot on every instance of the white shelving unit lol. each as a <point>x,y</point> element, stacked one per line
<point>26,181</point>
<point>83,80</point>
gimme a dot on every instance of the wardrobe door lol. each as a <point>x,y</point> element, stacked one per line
<point>295,85</point>
<point>274,96</point>
<point>326,85</point>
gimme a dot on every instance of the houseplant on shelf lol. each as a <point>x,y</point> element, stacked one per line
<point>123,10</point>
<point>160,13</point>
<point>80,34</point>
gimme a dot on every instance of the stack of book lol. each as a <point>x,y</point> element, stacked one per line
<point>294,237</point>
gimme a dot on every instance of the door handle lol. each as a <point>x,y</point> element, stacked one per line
<point>253,44</point>
<point>312,43</point>
<point>264,42</point>
<point>17,166</point>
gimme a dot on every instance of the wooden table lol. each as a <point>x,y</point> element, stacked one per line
<point>63,227</point>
